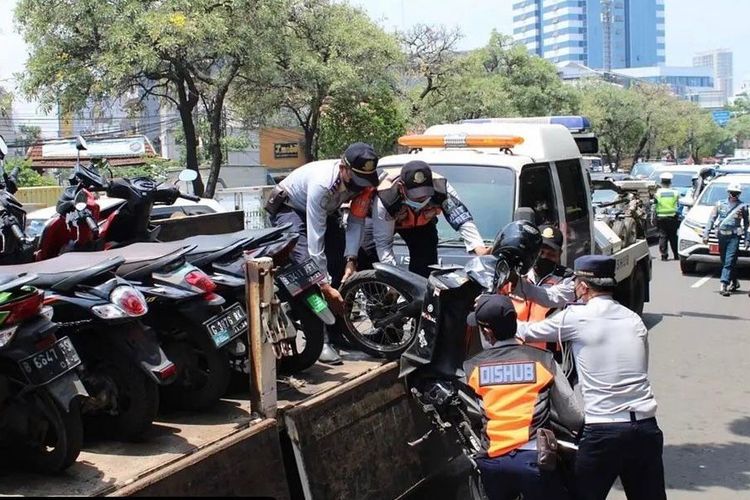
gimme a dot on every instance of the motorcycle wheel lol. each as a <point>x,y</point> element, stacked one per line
<point>203,372</point>
<point>136,401</point>
<point>370,298</point>
<point>62,440</point>
<point>307,346</point>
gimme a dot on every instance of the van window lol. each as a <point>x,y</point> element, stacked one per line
<point>536,191</point>
<point>575,198</point>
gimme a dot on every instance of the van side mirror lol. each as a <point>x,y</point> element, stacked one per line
<point>3,148</point>
<point>81,143</point>
<point>686,201</point>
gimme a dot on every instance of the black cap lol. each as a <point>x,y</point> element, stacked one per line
<point>417,178</point>
<point>598,269</point>
<point>551,237</point>
<point>363,161</point>
<point>497,313</point>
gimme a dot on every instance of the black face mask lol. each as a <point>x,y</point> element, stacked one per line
<point>352,186</point>
<point>543,267</point>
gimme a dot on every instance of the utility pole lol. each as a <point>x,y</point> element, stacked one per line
<point>607,20</point>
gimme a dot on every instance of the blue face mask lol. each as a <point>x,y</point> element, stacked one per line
<point>416,205</point>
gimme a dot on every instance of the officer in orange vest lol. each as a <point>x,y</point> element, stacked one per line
<point>519,386</point>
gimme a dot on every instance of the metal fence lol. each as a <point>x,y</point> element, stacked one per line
<point>250,200</point>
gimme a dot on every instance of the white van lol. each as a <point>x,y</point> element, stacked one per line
<point>690,235</point>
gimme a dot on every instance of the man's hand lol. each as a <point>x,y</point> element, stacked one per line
<point>333,297</point>
<point>705,241</point>
<point>351,268</point>
<point>482,250</point>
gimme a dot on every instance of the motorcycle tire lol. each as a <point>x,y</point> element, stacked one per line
<point>203,372</point>
<point>63,439</point>
<point>366,284</point>
<point>137,401</point>
<point>308,345</point>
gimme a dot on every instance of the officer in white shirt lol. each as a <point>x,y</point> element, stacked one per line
<point>610,344</point>
<point>309,198</point>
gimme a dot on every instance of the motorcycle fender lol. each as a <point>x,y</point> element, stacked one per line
<point>140,344</point>
<point>414,284</point>
<point>66,388</point>
<point>320,309</point>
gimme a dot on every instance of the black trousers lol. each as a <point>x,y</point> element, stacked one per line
<point>422,242</point>
<point>667,227</point>
<point>630,450</point>
<point>335,241</point>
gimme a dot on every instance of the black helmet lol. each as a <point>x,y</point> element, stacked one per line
<point>519,243</point>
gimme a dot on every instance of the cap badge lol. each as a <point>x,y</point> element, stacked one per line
<point>369,166</point>
<point>548,233</point>
<point>419,177</point>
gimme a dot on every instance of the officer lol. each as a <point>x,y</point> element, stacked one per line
<point>666,211</point>
<point>730,217</point>
<point>519,386</point>
<point>408,205</point>
<point>310,198</point>
<point>610,344</point>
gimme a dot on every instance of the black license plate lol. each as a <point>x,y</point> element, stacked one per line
<point>227,325</point>
<point>49,364</point>
<point>298,278</point>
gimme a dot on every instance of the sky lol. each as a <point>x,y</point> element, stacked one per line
<point>691,26</point>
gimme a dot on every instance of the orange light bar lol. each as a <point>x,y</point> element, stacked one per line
<point>460,141</point>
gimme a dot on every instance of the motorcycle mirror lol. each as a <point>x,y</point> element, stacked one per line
<point>80,200</point>
<point>81,143</point>
<point>3,148</point>
<point>187,175</point>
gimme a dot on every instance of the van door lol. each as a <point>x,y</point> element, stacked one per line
<point>577,206</point>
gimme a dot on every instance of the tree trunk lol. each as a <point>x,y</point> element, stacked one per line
<point>641,146</point>
<point>214,146</point>
<point>309,139</point>
<point>188,99</point>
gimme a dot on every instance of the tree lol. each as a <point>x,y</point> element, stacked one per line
<point>27,177</point>
<point>186,52</point>
<point>326,51</point>
<point>379,120</point>
<point>28,135</point>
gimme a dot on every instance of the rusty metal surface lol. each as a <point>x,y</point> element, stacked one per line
<point>218,223</point>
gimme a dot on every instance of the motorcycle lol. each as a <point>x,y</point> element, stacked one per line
<point>40,392</point>
<point>123,364</point>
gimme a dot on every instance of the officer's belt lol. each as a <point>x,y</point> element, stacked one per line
<point>727,232</point>
<point>619,417</point>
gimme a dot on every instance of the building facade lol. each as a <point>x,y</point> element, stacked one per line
<point>600,34</point>
<point>720,63</point>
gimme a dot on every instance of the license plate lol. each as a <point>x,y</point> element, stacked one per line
<point>297,279</point>
<point>713,249</point>
<point>49,364</point>
<point>227,325</point>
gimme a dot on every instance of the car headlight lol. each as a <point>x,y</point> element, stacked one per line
<point>696,227</point>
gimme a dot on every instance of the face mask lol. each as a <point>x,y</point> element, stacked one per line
<point>416,205</point>
<point>544,267</point>
<point>352,186</point>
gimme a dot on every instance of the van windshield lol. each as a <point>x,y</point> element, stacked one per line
<point>488,193</point>
<point>717,192</point>
<point>680,179</point>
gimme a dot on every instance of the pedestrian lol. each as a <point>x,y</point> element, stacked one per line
<point>520,387</point>
<point>730,217</point>
<point>666,211</point>
<point>408,204</point>
<point>309,199</point>
<point>621,437</point>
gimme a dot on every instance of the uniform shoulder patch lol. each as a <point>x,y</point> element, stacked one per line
<point>507,373</point>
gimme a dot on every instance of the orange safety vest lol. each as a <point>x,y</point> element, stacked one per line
<point>360,204</point>
<point>527,310</point>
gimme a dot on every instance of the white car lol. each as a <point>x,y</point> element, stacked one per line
<point>690,235</point>
<point>36,220</point>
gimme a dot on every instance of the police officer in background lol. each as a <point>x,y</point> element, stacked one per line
<point>666,211</point>
<point>731,218</point>
<point>408,205</point>
<point>519,386</point>
<point>610,344</point>
<point>309,198</point>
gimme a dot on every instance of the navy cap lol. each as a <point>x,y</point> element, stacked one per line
<point>497,313</point>
<point>363,161</point>
<point>598,269</point>
<point>417,178</point>
<point>551,237</point>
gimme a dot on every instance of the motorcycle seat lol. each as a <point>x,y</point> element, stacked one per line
<point>143,259</point>
<point>63,273</point>
<point>213,242</point>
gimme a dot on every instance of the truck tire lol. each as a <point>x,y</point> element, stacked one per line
<point>618,227</point>
<point>631,231</point>
<point>637,291</point>
<point>687,268</point>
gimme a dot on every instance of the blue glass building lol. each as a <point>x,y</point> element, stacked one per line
<point>601,34</point>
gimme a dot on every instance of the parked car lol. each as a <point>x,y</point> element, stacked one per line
<point>692,250</point>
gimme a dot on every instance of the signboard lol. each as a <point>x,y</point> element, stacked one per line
<point>721,117</point>
<point>104,148</point>
<point>286,150</point>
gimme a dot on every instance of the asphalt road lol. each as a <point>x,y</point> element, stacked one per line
<point>700,343</point>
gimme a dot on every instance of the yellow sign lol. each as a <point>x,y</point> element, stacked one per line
<point>286,150</point>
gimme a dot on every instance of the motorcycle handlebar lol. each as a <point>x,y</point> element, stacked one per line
<point>17,232</point>
<point>190,197</point>
<point>92,224</point>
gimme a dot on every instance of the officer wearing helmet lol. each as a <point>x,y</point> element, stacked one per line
<point>730,219</point>
<point>666,211</point>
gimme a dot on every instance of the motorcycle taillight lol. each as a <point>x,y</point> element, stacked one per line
<point>29,303</point>
<point>130,300</point>
<point>199,279</point>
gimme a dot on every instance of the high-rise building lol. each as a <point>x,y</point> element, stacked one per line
<point>720,62</point>
<point>601,34</point>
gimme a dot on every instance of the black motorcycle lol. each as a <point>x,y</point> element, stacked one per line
<point>40,392</point>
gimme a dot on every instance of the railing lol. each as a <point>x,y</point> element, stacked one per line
<point>250,200</point>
